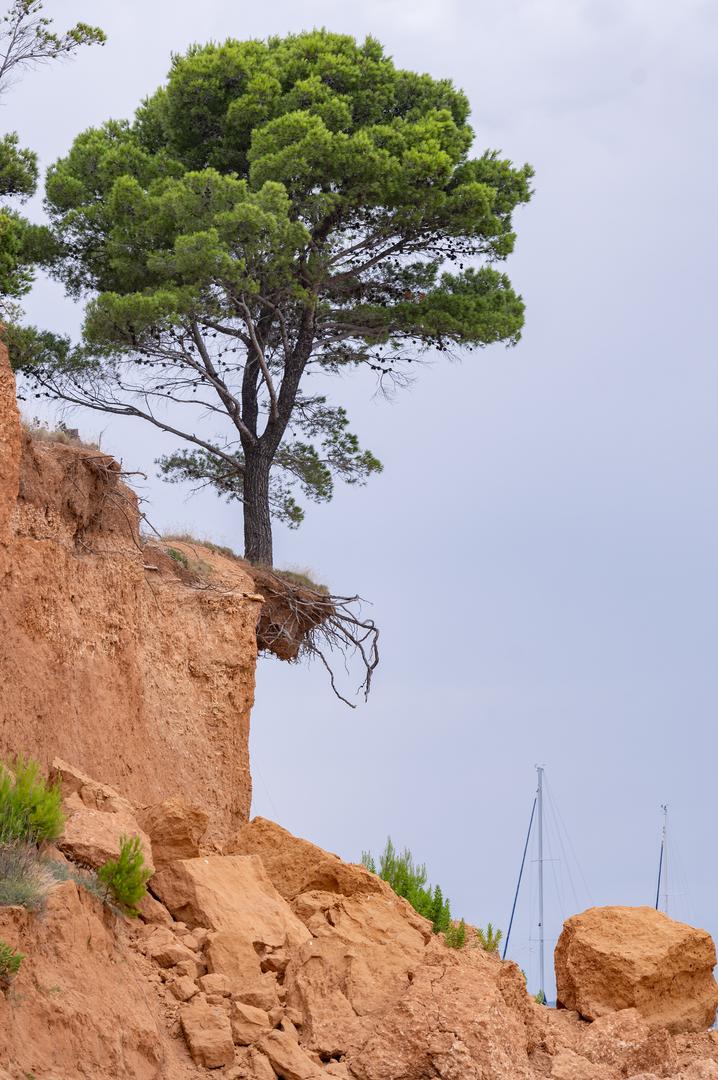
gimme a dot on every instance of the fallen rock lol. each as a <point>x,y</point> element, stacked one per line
<point>248,1023</point>
<point>296,866</point>
<point>184,988</point>
<point>91,792</point>
<point>261,1066</point>
<point>624,1040</point>
<point>208,1034</point>
<point>463,1016</point>
<point>175,830</point>
<point>97,817</point>
<point>569,1066</point>
<point>214,983</point>
<point>613,958</point>
<point>163,947</point>
<point>91,837</point>
<point>233,955</point>
<point>288,1059</point>
<point>361,959</point>
<point>153,912</point>
<point>229,892</point>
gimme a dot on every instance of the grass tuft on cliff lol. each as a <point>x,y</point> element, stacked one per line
<point>24,879</point>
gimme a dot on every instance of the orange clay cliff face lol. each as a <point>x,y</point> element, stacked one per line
<point>107,657</point>
<point>256,955</point>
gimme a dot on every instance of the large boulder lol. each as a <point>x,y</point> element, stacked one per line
<point>230,892</point>
<point>614,958</point>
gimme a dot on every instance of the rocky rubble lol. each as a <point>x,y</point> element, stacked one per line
<point>277,961</point>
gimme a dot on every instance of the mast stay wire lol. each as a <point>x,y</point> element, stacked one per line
<point>565,859</point>
<point>556,877</point>
<point>570,845</point>
<point>682,879</point>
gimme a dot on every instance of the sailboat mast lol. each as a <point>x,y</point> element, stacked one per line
<point>664,808</point>
<point>539,807</point>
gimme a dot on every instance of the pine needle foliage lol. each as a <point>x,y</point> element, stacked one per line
<point>10,961</point>
<point>30,809</point>
<point>409,880</point>
<point>125,878</point>
<point>455,935</point>
<point>490,938</point>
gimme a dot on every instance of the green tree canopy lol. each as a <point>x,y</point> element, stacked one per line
<point>279,208</point>
<point>27,38</point>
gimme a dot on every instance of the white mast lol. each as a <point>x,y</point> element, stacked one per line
<point>539,804</point>
<point>664,808</point>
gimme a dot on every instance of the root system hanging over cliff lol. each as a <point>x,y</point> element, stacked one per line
<point>298,619</point>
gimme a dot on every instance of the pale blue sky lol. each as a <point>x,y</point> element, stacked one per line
<point>541,548</point>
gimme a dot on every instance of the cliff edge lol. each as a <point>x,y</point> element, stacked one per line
<point>142,679</point>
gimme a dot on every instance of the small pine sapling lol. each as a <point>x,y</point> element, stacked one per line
<point>125,878</point>
<point>455,935</point>
<point>409,880</point>
<point>30,810</point>
<point>367,860</point>
<point>10,961</point>
<point>490,938</point>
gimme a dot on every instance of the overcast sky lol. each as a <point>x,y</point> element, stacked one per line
<point>541,548</point>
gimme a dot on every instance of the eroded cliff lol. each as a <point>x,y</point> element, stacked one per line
<point>142,679</point>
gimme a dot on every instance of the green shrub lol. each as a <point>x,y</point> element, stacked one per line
<point>490,938</point>
<point>10,961</point>
<point>179,557</point>
<point>455,935</point>
<point>24,878</point>
<point>540,998</point>
<point>409,881</point>
<point>125,878</point>
<point>30,810</point>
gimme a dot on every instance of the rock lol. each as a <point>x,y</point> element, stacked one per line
<point>164,948</point>
<point>463,1016</point>
<point>359,963</point>
<point>248,1023</point>
<point>97,817</point>
<point>614,958</point>
<point>92,837</point>
<point>296,866</point>
<point>261,1066</point>
<point>192,968</point>
<point>214,983</point>
<point>624,1040</point>
<point>153,912</point>
<point>700,1070</point>
<point>230,892</point>
<point>287,1058</point>
<point>175,829</point>
<point>184,988</point>
<point>232,955</point>
<point>208,1034</point>
<point>91,792</point>
<point>569,1066</point>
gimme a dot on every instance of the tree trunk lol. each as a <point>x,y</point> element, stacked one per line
<point>257,519</point>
